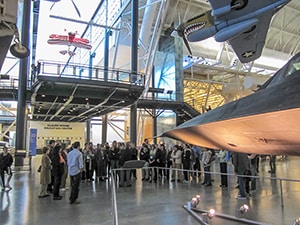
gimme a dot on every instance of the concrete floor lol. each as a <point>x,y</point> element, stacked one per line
<point>152,203</point>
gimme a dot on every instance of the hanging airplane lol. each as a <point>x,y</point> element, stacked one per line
<point>243,23</point>
<point>69,40</point>
<point>9,32</point>
<point>265,122</point>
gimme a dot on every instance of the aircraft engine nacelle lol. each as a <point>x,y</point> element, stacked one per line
<point>232,31</point>
<point>202,34</point>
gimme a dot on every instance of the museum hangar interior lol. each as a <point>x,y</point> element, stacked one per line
<point>170,86</point>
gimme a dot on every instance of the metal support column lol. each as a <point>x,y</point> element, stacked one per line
<point>134,66</point>
<point>106,53</point>
<point>154,126</point>
<point>92,56</point>
<point>106,66</point>
<point>178,74</point>
<point>21,124</point>
<point>104,129</point>
<point>88,131</point>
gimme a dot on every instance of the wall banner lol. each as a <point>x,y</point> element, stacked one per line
<point>32,142</point>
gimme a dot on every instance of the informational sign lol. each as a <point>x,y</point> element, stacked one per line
<point>32,142</point>
<point>58,127</point>
<point>60,132</point>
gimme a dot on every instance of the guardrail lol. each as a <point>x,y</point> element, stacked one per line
<point>82,71</point>
<point>224,216</point>
<point>11,83</point>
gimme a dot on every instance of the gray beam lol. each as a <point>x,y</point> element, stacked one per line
<point>134,66</point>
<point>23,74</point>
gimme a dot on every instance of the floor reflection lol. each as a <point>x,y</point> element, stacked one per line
<point>153,203</point>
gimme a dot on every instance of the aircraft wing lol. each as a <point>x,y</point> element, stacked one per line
<point>81,44</point>
<point>58,42</point>
<point>244,24</point>
<point>265,122</point>
<point>248,46</point>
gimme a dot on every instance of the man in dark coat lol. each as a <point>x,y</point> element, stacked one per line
<point>125,155</point>
<point>186,162</point>
<point>144,155</point>
<point>241,164</point>
<point>50,185</point>
<point>6,161</point>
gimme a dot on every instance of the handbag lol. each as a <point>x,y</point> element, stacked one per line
<point>39,169</point>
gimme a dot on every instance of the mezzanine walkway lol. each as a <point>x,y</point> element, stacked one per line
<point>76,93</point>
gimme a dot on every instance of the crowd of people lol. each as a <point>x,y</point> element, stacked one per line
<point>98,162</point>
<point>179,163</point>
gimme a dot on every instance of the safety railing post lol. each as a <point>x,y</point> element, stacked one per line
<point>114,198</point>
<point>281,193</point>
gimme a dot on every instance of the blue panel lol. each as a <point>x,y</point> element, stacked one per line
<point>32,141</point>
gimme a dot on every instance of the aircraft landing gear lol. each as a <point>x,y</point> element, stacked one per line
<point>71,53</point>
<point>17,49</point>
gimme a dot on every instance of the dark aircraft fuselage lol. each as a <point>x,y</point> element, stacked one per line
<point>265,122</point>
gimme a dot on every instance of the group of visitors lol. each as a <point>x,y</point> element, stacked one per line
<point>96,162</point>
<point>184,158</point>
<point>56,163</point>
<point>83,164</point>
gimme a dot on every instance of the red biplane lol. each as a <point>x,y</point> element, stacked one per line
<point>69,40</point>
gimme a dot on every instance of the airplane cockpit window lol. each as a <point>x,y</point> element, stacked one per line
<point>294,66</point>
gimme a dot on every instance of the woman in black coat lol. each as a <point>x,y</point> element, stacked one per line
<point>57,171</point>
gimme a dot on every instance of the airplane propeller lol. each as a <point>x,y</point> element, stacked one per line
<point>178,32</point>
<point>187,45</point>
